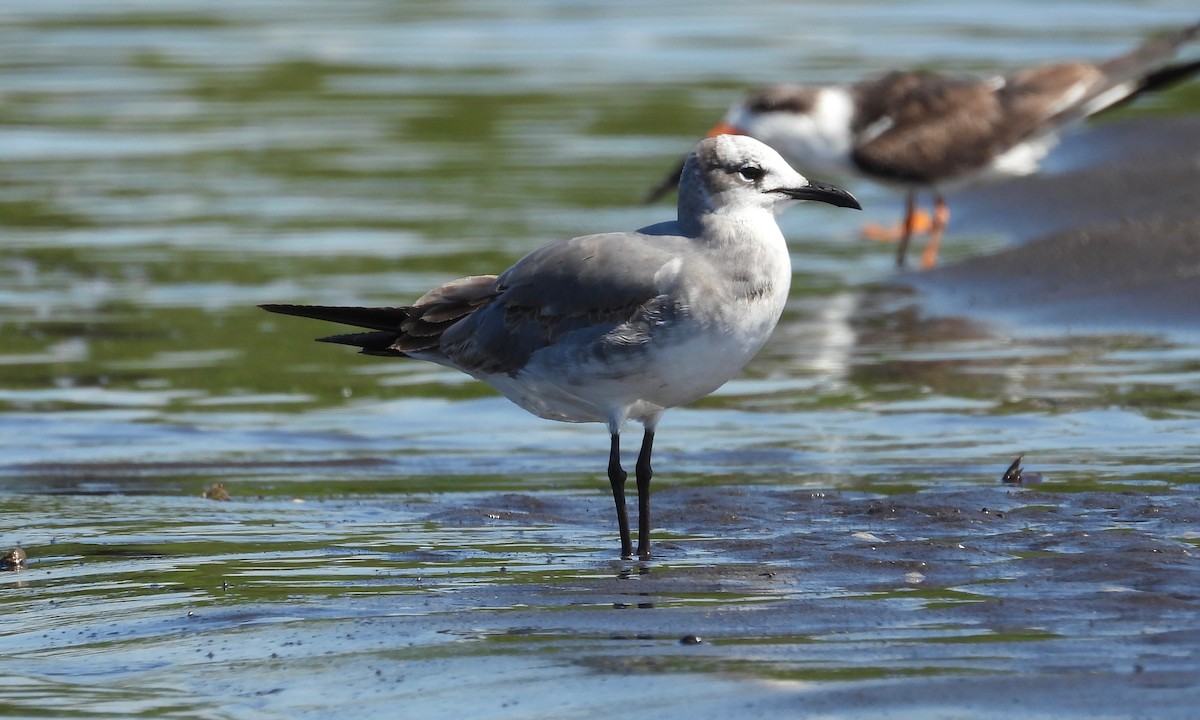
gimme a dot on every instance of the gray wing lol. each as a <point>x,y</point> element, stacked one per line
<point>586,286</point>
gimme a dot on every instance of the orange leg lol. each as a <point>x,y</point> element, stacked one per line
<point>941,218</point>
<point>921,223</point>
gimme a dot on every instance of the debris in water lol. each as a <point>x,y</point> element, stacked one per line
<point>1016,475</point>
<point>216,491</point>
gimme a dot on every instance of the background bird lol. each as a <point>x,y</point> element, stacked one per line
<point>619,326</point>
<point>927,131</point>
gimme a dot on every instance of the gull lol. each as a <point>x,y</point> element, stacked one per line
<point>618,326</point>
<point>923,130</point>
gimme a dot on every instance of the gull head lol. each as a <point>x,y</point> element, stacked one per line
<point>735,173</point>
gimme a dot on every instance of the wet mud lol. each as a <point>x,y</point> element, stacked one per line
<point>1110,246</point>
<point>993,600</point>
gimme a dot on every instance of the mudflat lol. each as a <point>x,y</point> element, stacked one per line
<point>1110,246</point>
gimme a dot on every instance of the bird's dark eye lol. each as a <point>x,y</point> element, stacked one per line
<point>750,173</point>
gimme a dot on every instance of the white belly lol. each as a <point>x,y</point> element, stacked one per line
<point>686,364</point>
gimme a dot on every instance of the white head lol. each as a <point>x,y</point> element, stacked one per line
<point>734,173</point>
<point>811,126</point>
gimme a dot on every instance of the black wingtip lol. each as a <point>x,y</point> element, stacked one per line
<point>285,309</point>
<point>372,318</point>
<point>669,183</point>
<point>368,343</point>
<point>1169,75</point>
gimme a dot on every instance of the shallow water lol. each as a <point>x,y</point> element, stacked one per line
<point>398,536</point>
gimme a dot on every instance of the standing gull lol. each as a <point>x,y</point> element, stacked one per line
<point>620,326</point>
<point>927,131</point>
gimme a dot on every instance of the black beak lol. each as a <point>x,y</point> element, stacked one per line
<point>822,192</point>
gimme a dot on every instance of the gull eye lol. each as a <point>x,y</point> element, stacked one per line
<point>751,173</point>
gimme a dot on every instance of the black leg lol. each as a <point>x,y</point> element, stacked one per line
<point>643,474</point>
<point>616,478</point>
<point>910,220</point>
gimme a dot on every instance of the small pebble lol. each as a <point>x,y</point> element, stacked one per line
<point>13,560</point>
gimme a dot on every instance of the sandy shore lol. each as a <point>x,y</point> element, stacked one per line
<point>1113,245</point>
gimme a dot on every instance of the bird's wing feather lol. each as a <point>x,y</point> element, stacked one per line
<point>1146,67</point>
<point>399,331</point>
<point>1034,97</point>
<point>487,324</point>
<point>936,127</point>
<point>1151,55</point>
<point>388,318</point>
<point>587,284</point>
<point>919,126</point>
